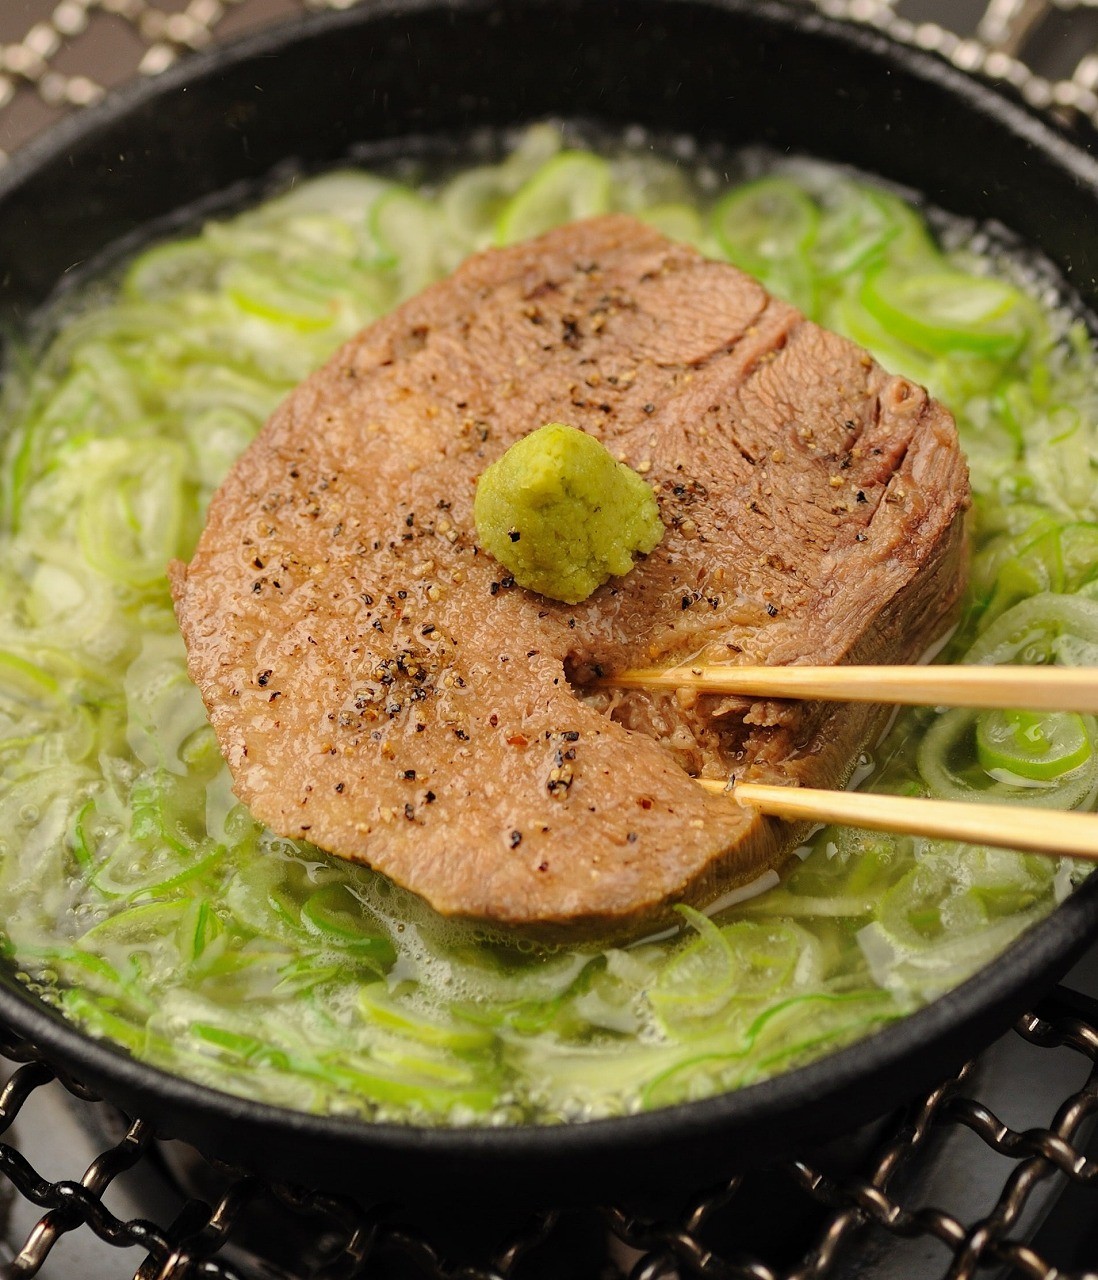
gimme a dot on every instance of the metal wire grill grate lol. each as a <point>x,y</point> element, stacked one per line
<point>58,55</point>
<point>1008,41</point>
<point>876,1195</point>
<point>71,51</point>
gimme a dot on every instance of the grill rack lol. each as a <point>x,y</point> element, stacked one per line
<point>879,1194</point>
<point>999,40</point>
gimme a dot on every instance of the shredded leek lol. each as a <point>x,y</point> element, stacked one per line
<point>142,900</point>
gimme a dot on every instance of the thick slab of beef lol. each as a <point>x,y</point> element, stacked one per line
<point>380,687</point>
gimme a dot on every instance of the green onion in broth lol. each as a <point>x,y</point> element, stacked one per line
<point>143,901</point>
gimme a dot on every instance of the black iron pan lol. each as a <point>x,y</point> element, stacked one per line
<point>733,71</point>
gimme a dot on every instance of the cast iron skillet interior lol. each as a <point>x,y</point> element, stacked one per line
<point>737,71</point>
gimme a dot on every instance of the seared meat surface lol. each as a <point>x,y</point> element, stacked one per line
<point>380,688</point>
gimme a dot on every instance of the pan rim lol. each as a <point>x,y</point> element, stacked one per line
<point>1049,944</point>
<point>50,146</point>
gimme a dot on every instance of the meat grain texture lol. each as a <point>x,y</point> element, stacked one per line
<point>378,685</point>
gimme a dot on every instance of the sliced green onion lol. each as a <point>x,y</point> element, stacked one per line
<point>264,290</point>
<point>379,1009</point>
<point>676,221</point>
<point>861,225</point>
<point>943,311</point>
<point>413,240</point>
<point>574,184</point>
<point>952,770</point>
<point>1028,745</point>
<point>767,228</point>
<point>336,916</point>
<point>771,220</point>
<point>698,982</point>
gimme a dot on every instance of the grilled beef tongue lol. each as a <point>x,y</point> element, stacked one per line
<point>381,688</point>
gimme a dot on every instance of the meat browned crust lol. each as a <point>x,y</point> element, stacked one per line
<point>380,687</point>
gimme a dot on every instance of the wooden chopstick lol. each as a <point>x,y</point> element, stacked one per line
<point>1027,688</point>
<point>1049,831</point>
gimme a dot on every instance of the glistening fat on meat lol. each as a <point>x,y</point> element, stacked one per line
<point>381,688</point>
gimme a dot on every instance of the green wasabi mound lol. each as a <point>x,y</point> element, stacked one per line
<point>562,515</point>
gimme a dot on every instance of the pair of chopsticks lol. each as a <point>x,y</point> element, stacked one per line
<point>1048,831</point>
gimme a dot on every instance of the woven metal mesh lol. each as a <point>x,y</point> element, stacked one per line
<point>879,1195</point>
<point>58,55</point>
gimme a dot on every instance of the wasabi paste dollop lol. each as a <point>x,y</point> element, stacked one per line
<point>562,514</point>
